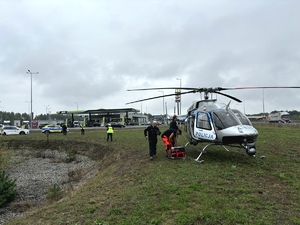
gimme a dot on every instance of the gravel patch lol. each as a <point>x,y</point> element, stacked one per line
<point>36,173</point>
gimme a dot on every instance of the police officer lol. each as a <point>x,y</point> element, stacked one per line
<point>82,129</point>
<point>64,129</point>
<point>110,131</point>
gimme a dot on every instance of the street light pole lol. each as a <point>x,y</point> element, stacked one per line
<point>28,106</point>
<point>77,104</point>
<point>263,103</point>
<point>167,112</point>
<point>31,116</point>
<point>179,95</point>
<point>163,103</point>
<point>46,109</point>
<point>245,105</point>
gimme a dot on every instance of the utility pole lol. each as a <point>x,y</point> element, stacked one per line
<point>179,111</point>
<point>31,115</point>
<point>163,104</point>
<point>76,104</point>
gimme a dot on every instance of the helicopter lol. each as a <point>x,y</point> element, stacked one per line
<point>214,123</point>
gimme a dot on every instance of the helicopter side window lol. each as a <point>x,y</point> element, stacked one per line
<point>203,121</point>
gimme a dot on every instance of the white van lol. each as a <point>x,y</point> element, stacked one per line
<point>76,123</point>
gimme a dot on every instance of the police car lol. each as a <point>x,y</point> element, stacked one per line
<point>52,129</point>
<point>11,130</point>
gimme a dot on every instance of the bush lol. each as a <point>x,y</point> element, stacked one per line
<point>7,188</point>
<point>54,193</point>
<point>70,157</point>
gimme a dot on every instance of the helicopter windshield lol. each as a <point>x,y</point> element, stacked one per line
<point>224,119</point>
<point>242,118</point>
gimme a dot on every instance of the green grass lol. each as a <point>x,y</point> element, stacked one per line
<point>228,188</point>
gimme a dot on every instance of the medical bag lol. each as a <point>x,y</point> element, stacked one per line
<point>177,152</point>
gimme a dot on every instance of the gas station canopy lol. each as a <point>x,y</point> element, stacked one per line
<point>98,111</point>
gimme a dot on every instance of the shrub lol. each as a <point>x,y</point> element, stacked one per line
<point>7,188</point>
<point>54,193</point>
<point>70,157</point>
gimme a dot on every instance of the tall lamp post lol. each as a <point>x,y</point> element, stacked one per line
<point>167,112</point>
<point>76,104</point>
<point>28,106</point>
<point>179,111</point>
<point>163,103</point>
<point>245,105</point>
<point>31,115</point>
<point>263,94</point>
<point>46,109</point>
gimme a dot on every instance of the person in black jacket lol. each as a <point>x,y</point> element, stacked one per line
<point>151,133</point>
<point>64,129</point>
<point>169,138</point>
<point>173,124</point>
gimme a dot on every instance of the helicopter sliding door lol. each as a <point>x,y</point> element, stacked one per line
<point>203,128</point>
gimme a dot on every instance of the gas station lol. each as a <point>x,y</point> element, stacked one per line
<point>99,117</point>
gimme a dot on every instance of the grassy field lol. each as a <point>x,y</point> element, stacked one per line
<point>228,188</point>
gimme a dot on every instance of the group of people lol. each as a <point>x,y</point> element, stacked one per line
<point>169,137</point>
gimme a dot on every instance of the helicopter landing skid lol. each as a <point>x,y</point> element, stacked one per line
<point>203,151</point>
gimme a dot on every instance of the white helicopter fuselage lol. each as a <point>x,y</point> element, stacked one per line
<point>209,121</point>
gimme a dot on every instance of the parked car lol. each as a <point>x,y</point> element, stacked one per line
<point>52,129</point>
<point>115,124</point>
<point>42,125</point>
<point>76,124</point>
<point>93,123</point>
<point>133,123</point>
<point>11,130</point>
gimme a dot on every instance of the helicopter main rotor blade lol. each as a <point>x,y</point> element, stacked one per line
<point>229,96</point>
<point>212,89</point>
<point>148,89</point>
<point>261,87</point>
<point>205,90</point>
<point>146,99</point>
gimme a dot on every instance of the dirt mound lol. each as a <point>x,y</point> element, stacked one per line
<point>95,151</point>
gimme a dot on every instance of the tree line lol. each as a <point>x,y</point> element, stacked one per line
<point>11,116</point>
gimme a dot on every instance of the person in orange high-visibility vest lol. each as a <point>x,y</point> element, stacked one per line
<point>169,138</point>
<point>110,131</point>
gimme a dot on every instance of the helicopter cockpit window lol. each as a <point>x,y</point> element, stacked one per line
<point>203,121</point>
<point>244,120</point>
<point>223,119</point>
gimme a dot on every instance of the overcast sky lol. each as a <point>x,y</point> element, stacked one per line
<point>89,53</point>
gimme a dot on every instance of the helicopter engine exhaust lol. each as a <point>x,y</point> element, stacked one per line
<point>250,149</point>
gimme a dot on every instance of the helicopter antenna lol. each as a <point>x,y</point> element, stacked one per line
<point>227,106</point>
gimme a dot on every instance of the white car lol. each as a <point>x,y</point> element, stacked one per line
<point>11,130</point>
